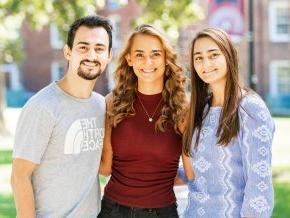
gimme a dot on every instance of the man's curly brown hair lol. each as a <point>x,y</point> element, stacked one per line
<point>173,94</point>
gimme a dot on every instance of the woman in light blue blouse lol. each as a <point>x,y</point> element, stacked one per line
<point>229,136</point>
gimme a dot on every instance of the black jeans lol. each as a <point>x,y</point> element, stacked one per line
<point>112,209</point>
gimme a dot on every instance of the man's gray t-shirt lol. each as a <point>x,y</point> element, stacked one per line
<point>64,135</point>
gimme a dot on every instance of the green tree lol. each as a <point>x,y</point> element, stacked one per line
<point>168,14</point>
<point>2,124</point>
<point>40,13</point>
<point>37,14</point>
<point>171,15</point>
<point>10,51</point>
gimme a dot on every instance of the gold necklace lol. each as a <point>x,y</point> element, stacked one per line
<point>150,118</point>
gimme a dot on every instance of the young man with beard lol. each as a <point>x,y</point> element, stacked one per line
<point>59,136</point>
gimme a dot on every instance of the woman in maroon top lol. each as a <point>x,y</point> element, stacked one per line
<point>143,140</point>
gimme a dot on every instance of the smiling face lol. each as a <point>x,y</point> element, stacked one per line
<point>90,53</point>
<point>147,57</point>
<point>209,61</point>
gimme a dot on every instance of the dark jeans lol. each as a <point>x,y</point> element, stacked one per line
<point>112,209</point>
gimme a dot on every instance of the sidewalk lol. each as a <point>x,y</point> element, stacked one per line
<point>181,195</point>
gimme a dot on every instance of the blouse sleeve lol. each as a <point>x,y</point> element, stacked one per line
<point>256,135</point>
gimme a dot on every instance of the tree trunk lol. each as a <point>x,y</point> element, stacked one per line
<point>3,129</point>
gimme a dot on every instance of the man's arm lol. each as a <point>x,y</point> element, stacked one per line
<point>107,152</point>
<point>22,187</point>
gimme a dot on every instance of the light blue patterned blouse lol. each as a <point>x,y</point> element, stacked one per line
<point>233,181</point>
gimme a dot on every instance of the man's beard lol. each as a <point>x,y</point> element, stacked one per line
<point>87,75</point>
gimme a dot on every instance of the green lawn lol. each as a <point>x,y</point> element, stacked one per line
<point>282,200</point>
<point>282,194</point>
<point>281,210</point>
<point>5,157</point>
<point>7,208</point>
<point>281,167</point>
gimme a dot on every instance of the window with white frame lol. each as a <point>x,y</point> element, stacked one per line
<point>279,21</point>
<point>56,40</point>
<point>280,77</point>
<point>115,4</point>
<point>57,70</point>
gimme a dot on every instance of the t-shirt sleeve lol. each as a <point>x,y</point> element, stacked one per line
<point>33,132</point>
<point>257,129</point>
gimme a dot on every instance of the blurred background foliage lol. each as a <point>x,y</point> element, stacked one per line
<point>168,14</point>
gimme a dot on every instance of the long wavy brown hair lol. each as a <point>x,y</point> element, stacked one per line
<point>201,97</point>
<point>125,92</point>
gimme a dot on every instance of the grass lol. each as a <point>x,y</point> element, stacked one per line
<point>282,192</point>
<point>281,210</point>
<point>7,208</point>
<point>282,200</point>
<point>281,187</point>
<point>5,157</point>
<point>103,180</point>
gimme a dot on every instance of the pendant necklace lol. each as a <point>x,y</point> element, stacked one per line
<point>150,118</point>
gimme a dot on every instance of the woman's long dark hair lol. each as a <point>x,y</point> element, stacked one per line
<point>201,97</point>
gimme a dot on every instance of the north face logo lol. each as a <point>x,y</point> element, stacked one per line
<point>83,135</point>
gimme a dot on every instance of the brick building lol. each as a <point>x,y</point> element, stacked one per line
<point>272,53</point>
<point>44,60</point>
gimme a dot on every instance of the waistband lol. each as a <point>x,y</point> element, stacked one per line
<point>115,204</point>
